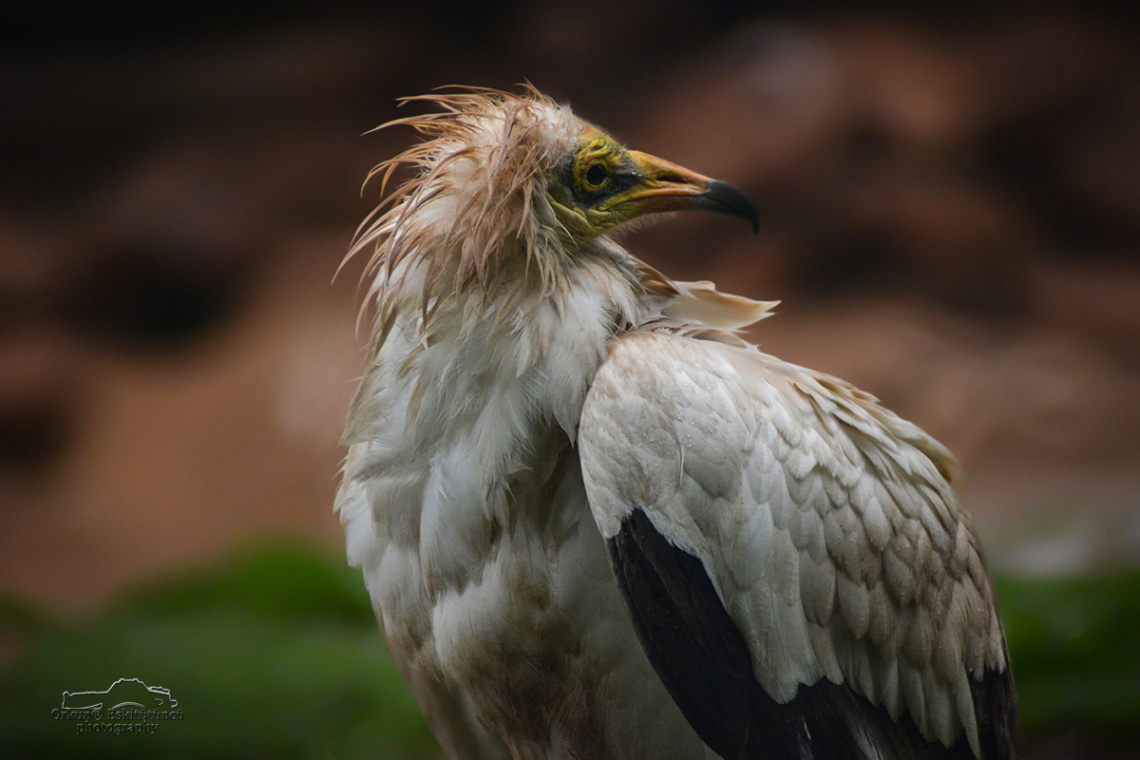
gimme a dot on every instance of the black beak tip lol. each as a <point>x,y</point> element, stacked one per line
<point>728,199</point>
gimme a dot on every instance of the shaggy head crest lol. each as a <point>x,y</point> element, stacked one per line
<point>510,191</point>
<point>476,208</point>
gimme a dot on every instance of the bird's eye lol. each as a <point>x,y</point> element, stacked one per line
<point>597,175</point>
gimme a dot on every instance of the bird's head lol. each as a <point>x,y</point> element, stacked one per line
<point>595,185</point>
<point>513,184</point>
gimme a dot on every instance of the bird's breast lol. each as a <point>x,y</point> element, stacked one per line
<point>463,502</point>
<point>522,616</point>
<point>501,594</point>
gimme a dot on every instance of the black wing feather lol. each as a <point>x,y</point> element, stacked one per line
<point>704,662</point>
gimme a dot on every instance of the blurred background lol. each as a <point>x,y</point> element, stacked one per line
<point>951,216</point>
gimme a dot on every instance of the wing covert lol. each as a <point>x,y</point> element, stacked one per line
<point>829,536</point>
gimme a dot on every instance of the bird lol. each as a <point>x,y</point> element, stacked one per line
<point>594,521</point>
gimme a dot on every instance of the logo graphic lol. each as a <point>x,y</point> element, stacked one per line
<point>128,706</point>
<point>123,693</point>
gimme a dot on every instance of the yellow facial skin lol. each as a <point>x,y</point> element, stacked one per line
<point>601,185</point>
<point>582,185</point>
<point>597,162</point>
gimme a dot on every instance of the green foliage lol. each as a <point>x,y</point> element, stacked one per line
<point>1075,647</point>
<point>273,654</point>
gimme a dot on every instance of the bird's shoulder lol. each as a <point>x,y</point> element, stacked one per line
<point>726,400</point>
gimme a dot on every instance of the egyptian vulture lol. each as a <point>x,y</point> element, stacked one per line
<point>595,523</point>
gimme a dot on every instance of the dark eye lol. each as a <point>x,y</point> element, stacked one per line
<point>597,174</point>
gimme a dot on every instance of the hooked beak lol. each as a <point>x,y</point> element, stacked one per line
<point>668,187</point>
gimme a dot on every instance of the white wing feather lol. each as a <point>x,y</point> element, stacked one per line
<point>826,524</point>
